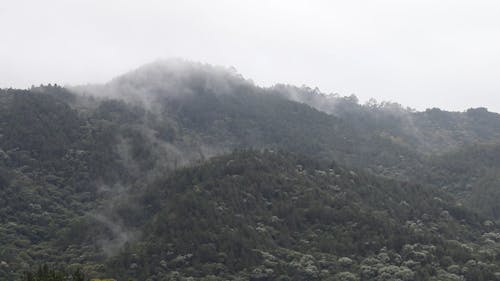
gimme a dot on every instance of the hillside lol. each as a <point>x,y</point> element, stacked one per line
<point>429,131</point>
<point>276,216</point>
<point>181,169</point>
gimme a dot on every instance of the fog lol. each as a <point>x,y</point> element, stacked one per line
<point>417,53</point>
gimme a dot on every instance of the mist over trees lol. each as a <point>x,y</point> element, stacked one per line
<point>187,171</point>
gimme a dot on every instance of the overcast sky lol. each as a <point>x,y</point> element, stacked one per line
<point>420,53</point>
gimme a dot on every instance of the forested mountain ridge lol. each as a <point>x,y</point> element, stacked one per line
<point>429,131</point>
<point>292,217</point>
<point>138,178</point>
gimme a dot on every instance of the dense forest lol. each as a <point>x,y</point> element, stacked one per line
<point>187,171</point>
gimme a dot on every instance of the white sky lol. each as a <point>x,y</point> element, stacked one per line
<point>420,53</point>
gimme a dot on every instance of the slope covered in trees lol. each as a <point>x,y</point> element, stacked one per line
<point>272,215</point>
<point>430,131</point>
<point>137,178</point>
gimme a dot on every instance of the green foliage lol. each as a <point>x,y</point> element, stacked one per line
<point>45,273</point>
<point>265,210</point>
<point>205,178</point>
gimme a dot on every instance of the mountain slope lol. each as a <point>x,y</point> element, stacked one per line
<point>471,173</point>
<point>429,131</point>
<point>222,111</point>
<point>265,215</point>
<point>137,178</point>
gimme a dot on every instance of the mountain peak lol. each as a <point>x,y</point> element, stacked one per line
<point>168,73</point>
<point>170,78</point>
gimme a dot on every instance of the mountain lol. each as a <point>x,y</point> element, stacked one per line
<point>182,171</point>
<point>272,215</point>
<point>471,174</point>
<point>430,131</point>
